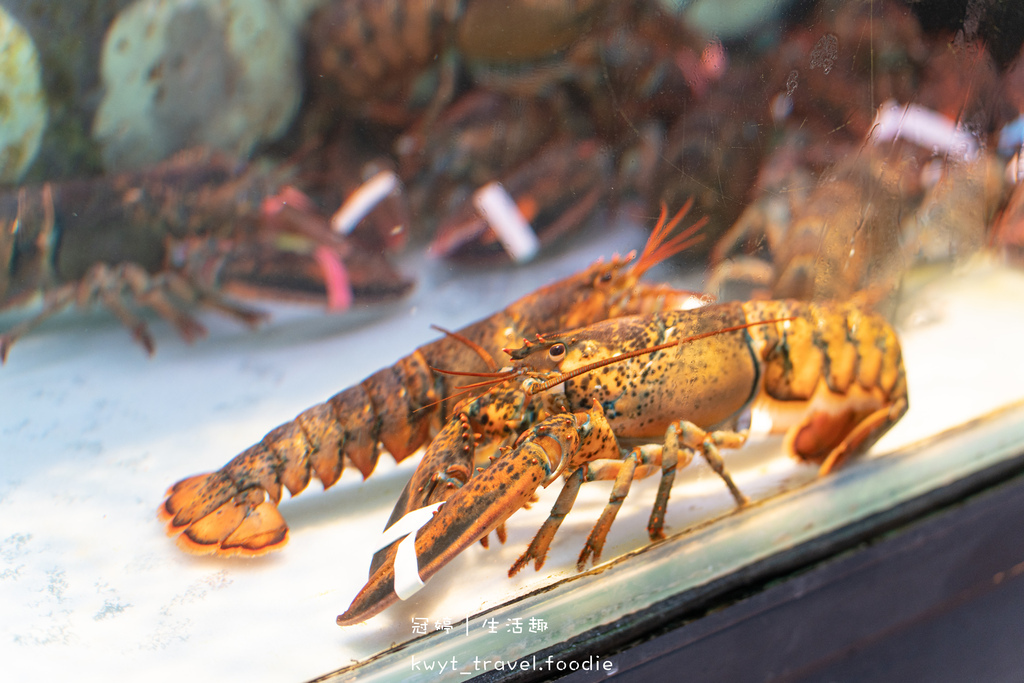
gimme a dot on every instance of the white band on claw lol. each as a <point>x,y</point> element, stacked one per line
<point>361,202</point>
<point>513,230</point>
<point>923,127</point>
<point>407,567</point>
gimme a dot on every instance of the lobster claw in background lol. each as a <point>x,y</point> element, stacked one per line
<point>555,192</point>
<point>348,175</point>
<point>295,255</point>
<point>334,276</point>
<point>480,136</point>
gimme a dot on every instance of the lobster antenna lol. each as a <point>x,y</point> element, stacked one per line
<point>504,374</point>
<point>659,247</point>
<point>466,388</point>
<point>488,383</point>
<point>680,244</point>
<point>658,235</point>
<point>680,241</point>
<point>558,379</point>
<point>480,351</point>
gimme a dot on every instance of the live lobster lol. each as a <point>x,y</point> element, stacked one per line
<point>830,377</point>
<point>234,510</point>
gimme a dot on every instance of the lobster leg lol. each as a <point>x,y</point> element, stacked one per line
<point>109,286</point>
<point>682,439</point>
<point>640,463</point>
<point>153,292</point>
<point>56,301</point>
<point>670,462</point>
<point>140,332</point>
<point>707,444</point>
<point>688,438</point>
<point>538,549</point>
<point>166,292</point>
<point>625,473</point>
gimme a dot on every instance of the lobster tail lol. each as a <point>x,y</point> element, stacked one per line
<point>242,523</point>
<point>234,510</point>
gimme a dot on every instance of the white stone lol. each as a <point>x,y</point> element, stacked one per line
<point>22,100</point>
<point>184,73</point>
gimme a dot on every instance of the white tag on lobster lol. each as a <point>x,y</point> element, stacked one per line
<point>364,200</point>
<point>923,127</point>
<point>407,566</point>
<point>500,211</point>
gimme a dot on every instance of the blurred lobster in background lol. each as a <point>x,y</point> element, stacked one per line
<point>533,113</point>
<point>884,158</point>
<point>482,117</point>
<point>564,104</point>
<point>195,229</point>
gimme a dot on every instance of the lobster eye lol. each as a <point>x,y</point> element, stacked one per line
<point>606,277</point>
<point>557,352</point>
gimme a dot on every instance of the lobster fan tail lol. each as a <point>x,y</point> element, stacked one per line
<point>211,518</point>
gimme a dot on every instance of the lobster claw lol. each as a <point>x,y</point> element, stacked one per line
<point>552,194</point>
<point>446,466</point>
<point>472,512</point>
<point>486,501</point>
<point>295,257</point>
